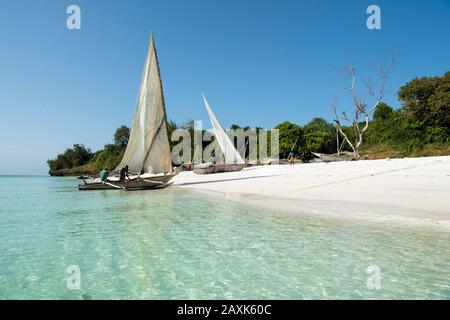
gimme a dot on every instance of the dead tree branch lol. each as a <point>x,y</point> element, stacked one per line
<point>362,110</point>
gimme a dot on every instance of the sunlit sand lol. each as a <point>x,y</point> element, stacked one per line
<point>411,188</point>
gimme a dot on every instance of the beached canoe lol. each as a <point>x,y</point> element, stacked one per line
<point>218,168</point>
<point>146,185</point>
<point>118,185</point>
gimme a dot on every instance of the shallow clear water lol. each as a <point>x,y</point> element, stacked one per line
<point>174,244</point>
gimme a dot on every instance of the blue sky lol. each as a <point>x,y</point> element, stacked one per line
<point>258,62</point>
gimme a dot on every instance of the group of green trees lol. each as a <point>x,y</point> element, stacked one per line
<point>317,136</point>
<point>111,155</point>
<point>420,127</point>
<point>83,160</point>
<point>428,100</point>
<point>76,156</point>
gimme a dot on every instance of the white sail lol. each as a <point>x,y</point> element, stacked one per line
<point>231,155</point>
<point>148,149</point>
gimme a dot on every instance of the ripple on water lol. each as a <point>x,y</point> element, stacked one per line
<point>173,244</point>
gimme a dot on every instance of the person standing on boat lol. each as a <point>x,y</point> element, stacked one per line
<point>104,175</point>
<point>124,174</point>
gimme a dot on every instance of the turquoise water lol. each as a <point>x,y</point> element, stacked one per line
<point>174,244</point>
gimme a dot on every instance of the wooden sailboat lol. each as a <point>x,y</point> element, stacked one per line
<point>135,183</point>
<point>148,152</point>
<point>233,161</point>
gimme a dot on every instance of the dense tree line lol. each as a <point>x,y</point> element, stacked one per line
<point>420,127</point>
<point>85,160</point>
<point>428,100</point>
<point>78,155</point>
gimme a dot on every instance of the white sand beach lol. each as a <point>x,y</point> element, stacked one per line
<point>416,189</point>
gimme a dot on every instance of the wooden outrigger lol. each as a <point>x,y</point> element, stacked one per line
<point>158,182</point>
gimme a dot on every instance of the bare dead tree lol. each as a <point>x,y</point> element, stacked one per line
<point>362,109</point>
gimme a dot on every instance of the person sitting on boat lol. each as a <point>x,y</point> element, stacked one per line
<point>104,175</point>
<point>124,174</point>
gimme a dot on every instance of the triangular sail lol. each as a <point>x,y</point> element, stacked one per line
<point>148,149</point>
<point>231,155</point>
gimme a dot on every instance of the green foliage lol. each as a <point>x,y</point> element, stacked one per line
<point>319,136</point>
<point>421,126</point>
<point>109,157</point>
<point>428,100</point>
<point>383,112</point>
<point>403,133</point>
<point>291,136</point>
<point>81,157</point>
<point>121,136</point>
<point>76,156</point>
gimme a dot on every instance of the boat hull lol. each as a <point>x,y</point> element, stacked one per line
<point>134,184</point>
<point>147,186</point>
<point>219,168</point>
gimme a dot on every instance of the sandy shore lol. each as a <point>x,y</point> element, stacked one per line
<point>412,188</point>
